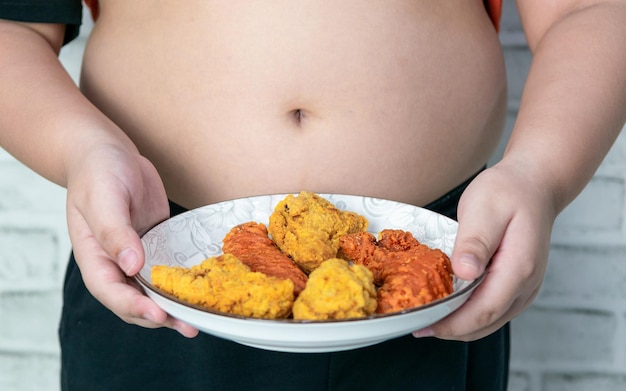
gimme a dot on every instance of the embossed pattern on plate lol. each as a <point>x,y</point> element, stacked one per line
<point>189,238</point>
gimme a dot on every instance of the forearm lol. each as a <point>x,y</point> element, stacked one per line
<point>574,102</point>
<point>45,121</point>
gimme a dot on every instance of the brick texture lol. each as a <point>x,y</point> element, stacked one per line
<point>573,337</point>
<point>583,382</point>
<point>28,372</point>
<point>34,321</point>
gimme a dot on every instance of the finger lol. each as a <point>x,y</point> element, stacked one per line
<point>450,333</point>
<point>108,222</point>
<point>484,311</point>
<point>512,281</point>
<point>477,240</point>
<point>108,284</point>
<point>141,310</point>
<point>154,317</point>
<point>116,235</point>
<point>115,291</point>
<point>135,308</point>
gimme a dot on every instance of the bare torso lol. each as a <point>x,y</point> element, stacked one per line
<point>398,99</point>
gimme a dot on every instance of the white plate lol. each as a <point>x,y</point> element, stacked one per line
<point>191,237</point>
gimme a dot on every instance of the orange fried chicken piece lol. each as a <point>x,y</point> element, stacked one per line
<point>225,284</point>
<point>251,244</point>
<point>307,227</point>
<point>408,272</point>
<point>337,290</point>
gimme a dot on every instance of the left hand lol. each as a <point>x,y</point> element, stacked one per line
<point>505,221</point>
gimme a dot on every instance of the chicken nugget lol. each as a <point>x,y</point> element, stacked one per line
<point>408,272</point>
<point>251,244</point>
<point>307,227</point>
<point>337,290</point>
<point>225,284</point>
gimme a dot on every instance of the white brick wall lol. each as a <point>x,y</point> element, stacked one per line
<point>572,338</point>
<point>34,248</point>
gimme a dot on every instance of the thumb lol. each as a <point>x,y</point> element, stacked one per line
<point>112,229</point>
<point>120,240</point>
<point>130,260</point>
<point>477,240</point>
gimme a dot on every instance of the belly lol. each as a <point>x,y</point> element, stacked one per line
<point>400,99</point>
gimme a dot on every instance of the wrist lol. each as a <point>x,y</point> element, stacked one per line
<point>96,149</point>
<point>538,182</point>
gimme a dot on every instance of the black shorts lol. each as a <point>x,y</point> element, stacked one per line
<point>101,352</point>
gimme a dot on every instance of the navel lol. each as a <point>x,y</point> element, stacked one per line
<point>298,115</point>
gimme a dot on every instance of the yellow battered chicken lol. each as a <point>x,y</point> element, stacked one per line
<point>336,290</point>
<point>251,244</point>
<point>225,284</point>
<point>307,227</point>
<point>408,272</point>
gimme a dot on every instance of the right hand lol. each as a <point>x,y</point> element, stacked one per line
<point>114,195</point>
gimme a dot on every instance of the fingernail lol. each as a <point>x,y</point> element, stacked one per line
<point>470,261</point>
<point>127,260</point>
<point>425,332</point>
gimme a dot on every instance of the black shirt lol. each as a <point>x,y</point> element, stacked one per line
<point>68,12</point>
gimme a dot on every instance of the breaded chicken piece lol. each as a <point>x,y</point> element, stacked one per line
<point>336,290</point>
<point>251,244</point>
<point>225,284</point>
<point>362,248</point>
<point>409,273</point>
<point>307,227</point>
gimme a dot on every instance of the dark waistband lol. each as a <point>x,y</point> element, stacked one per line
<point>445,205</point>
<point>176,209</point>
<point>448,203</point>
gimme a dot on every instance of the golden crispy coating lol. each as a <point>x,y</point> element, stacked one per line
<point>225,284</point>
<point>251,244</point>
<point>409,273</point>
<point>307,227</point>
<point>336,290</point>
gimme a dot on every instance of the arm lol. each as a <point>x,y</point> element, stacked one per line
<point>572,109</point>
<point>112,191</point>
<point>39,102</point>
<point>575,96</point>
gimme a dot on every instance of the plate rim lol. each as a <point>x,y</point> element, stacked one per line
<point>203,314</point>
<point>471,285</point>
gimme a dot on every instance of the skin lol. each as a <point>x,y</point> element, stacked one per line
<point>250,107</point>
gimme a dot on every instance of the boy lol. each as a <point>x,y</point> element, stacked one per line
<point>202,101</point>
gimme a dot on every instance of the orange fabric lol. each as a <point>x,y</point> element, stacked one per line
<point>93,7</point>
<point>494,8</point>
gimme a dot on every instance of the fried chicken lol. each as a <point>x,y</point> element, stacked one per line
<point>307,227</point>
<point>225,284</point>
<point>408,272</point>
<point>337,290</point>
<point>251,244</point>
